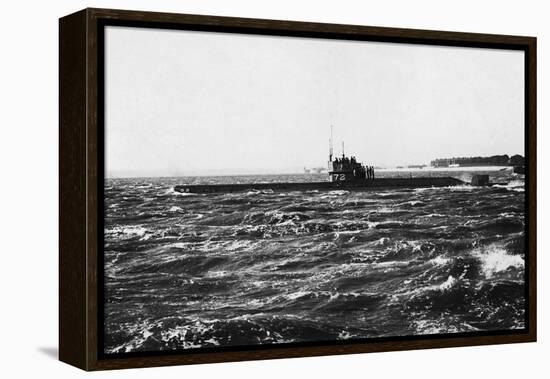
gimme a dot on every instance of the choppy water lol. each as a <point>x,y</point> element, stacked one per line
<point>274,267</point>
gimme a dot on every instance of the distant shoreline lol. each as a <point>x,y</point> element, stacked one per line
<point>436,169</point>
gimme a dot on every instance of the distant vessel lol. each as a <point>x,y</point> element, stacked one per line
<point>344,173</point>
<point>314,170</point>
<point>519,170</point>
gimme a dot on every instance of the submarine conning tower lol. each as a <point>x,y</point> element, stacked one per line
<point>347,169</point>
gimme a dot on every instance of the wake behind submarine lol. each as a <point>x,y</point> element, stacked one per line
<point>345,173</point>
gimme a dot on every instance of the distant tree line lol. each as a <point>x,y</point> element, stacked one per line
<point>495,160</point>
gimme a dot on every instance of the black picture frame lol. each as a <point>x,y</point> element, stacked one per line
<point>81,164</point>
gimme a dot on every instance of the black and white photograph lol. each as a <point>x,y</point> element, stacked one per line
<point>275,190</point>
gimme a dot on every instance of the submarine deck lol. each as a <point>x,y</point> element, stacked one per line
<point>362,185</point>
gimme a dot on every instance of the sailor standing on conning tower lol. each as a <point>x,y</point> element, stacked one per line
<point>345,169</point>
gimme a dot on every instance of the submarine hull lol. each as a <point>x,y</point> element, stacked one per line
<point>360,185</point>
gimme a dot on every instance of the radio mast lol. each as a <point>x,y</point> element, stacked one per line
<point>330,152</point>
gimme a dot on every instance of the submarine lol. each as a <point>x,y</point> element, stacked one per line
<point>344,173</point>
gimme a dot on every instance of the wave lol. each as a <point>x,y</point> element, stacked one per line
<point>238,268</point>
<point>246,329</point>
<point>441,325</point>
<point>442,286</point>
<point>259,192</point>
<point>496,259</point>
<point>462,188</point>
<point>126,232</point>
<point>412,203</point>
<point>338,192</point>
<point>172,192</point>
<point>514,185</point>
<point>440,261</point>
<point>384,224</point>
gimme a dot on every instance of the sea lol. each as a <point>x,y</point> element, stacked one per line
<point>193,271</point>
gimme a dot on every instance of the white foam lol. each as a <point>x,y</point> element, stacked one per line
<point>448,284</point>
<point>514,185</point>
<point>442,287</point>
<point>424,189</point>
<point>344,335</point>
<point>496,259</point>
<point>127,231</point>
<point>287,223</point>
<point>296,295</point>
<point>134,230</point>
<point>392,264</point>
<point>440,326</point>
<point>173,192</point>
<point>373,224</point>
<point>179,245</point>
<point>140,332</point>
<point>216,274</point>
<point>338,192</point>
<point>439,261</point>
<point>462,188</point>
<point>259,192</point>
<point>411,203</point>
<point>431,215</point>
<point>508,214</point>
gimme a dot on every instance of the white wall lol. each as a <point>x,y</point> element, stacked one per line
<point>28,197</point>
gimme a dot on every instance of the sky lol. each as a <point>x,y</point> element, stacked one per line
<point>202,103</point>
